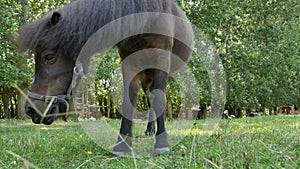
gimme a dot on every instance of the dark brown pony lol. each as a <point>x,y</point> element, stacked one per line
<point>58,38</point>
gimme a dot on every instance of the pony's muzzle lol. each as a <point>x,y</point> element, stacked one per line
<point>30,111</point>
<point>39,117</point>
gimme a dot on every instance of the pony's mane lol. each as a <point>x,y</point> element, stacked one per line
<point>80,19</point>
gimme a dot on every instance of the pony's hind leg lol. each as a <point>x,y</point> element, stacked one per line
<point>151,120</point>
<point>150,131</point>
<point>158,104</point>
<point>147,77</point>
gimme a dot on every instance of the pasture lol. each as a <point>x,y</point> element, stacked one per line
<point>259,142</point>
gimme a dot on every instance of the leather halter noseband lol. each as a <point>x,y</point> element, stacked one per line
<point>65,98</point>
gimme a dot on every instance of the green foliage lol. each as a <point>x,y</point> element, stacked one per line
<point>40,8</point>
<point>108,69</point>
<point>202,78</point>
<point>15,14</point>
<point>259,46</point>
<point>10,74</point>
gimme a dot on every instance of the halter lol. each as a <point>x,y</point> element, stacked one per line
<point>65,98</point>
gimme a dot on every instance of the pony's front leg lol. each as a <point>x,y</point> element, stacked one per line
<point>123,146</point>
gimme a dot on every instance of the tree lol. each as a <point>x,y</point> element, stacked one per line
<point>10,72</point>
<point>260,63</point>
<point>14,69</point>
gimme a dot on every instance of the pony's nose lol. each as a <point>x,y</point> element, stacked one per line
<point>30,111</point>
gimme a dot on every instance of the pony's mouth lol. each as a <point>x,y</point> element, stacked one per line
<point>38,119</point>
<point>50,120</point>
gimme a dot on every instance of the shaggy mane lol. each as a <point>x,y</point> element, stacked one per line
<point>80,19</point>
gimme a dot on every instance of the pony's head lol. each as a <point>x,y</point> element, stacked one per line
<point>50,90</point>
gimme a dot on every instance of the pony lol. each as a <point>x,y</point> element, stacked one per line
<point>57,39</point>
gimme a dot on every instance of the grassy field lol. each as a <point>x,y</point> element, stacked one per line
<point>260,142</point>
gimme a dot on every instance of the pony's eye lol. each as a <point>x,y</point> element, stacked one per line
<point>50,59</point>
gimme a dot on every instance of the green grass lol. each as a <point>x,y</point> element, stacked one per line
<point>260,142</point>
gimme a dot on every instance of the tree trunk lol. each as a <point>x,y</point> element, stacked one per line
<point>203,112</point>
<point>13,107</point>
<point>275,110</point>
<point>22,63</point>
<point>270,111</point>
<point>5,99</point>
<point>262,110</point>
<point>108,104</point>
<point>248,112</point>
<point>21,104</point>
<point>239,113</point>
<point>169,109</point>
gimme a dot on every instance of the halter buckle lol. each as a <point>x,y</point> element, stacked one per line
<point>49,98</point>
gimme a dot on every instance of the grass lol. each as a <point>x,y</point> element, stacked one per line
<point>260,142</point>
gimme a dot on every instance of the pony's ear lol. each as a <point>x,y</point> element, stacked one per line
<point>55,18</point>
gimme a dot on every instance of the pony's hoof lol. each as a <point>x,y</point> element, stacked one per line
<point>120,154</point>
<point>123,147</point>
<point>162,151</point>
<point>149,133</point>
<point>162,145</point>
